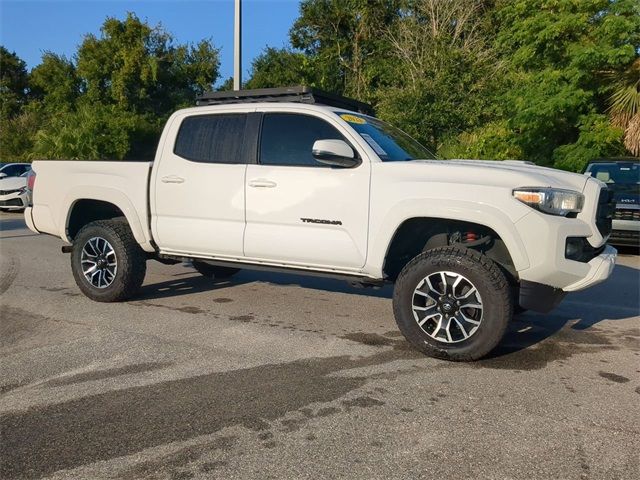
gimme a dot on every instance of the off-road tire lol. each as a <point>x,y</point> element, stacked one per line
<point>213,271</point>
<point>131,260</point>
<point>490,282</point>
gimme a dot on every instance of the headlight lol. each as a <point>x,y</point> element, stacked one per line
<point>22,190</point>
<point>554,201</point>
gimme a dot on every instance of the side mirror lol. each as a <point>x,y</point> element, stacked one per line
<point>3,175</point>
<point>334,152</point>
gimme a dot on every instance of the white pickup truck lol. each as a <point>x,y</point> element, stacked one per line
<point>300,180</point>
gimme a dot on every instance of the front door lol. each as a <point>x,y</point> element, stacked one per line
<point>299,211</point>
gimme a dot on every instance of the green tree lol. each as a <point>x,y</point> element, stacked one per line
<point>55,84</point>
<point>346,40</point>
<point>16,128</point>
<point>444,71</point>
<point>13,83</point>
<point>557,51</point>
<point>17,135</point>
<point>282,68</point>
<point>96,132</point>
<point>114,103</point>
<point>137,67</point>
<point>625,105</point>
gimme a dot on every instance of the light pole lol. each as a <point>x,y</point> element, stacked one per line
<point>237,46</point>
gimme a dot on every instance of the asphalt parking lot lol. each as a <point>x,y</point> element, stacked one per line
<point>283,376</point>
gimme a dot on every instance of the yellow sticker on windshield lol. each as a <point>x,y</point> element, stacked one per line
<point>353,119</point>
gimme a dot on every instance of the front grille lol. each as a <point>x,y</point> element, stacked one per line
<point>9,192</point>
<point>626,214</point>
<point>604,214</point>
<point>14,202</point>
<point>625,237</point>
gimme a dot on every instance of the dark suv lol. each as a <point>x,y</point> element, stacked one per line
<point>622,176</point>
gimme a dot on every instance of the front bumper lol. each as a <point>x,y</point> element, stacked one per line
<point>544,298</point>
<point>14,201</point>
<point>600,269</point>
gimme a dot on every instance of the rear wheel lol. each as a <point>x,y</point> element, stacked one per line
<point>212,271</point>
<point>107,262</point>
<point>452,303</point>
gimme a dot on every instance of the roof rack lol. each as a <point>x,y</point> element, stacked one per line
<point>299,94</point>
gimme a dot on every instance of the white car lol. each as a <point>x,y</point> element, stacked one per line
<point>13,169</point>
<point>300,180</point>
<point>14,194</point>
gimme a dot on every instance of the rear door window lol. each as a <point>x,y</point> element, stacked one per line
<point>212,138</point>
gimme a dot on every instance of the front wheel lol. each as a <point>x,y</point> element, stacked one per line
<point>452,303</point>
<point>107,262</point>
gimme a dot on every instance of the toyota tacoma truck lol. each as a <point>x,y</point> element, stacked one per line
<point>305,181</point>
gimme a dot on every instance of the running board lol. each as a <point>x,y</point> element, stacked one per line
<point>355,279</point>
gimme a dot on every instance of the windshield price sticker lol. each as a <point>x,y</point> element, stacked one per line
<point>353,119</point>
<point>375,145</point>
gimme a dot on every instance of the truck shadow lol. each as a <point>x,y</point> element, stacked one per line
<point>12,222</point>
<point>572,325</point>
<point>194,283</point>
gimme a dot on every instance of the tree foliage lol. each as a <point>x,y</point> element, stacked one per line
<point>530,79</point>
<point>556,82</point>
<point>112,100</point>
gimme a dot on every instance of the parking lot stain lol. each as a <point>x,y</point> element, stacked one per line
<point>108,373</point>
<point>18,325</point>
<point>613,377</point>
<point>222,300</point>
<point>53,289</point>
<point>9,271</point>
<point>183,309</point>
<point>362,402</point>
<point>532,344</point>
<point>8,387</point>
<point>174,464</point>
<point>369,339</point>
<point>45,439</point>
<point>242,318</point>
<point>211,466</point>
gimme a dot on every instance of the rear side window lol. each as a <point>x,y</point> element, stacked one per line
<point>287,139</point>
<point>211,138</point>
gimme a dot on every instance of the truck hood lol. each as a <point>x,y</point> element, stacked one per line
<point>507,173</point>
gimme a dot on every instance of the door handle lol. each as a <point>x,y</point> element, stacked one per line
<point>262,183</point>
<point>172,179</point>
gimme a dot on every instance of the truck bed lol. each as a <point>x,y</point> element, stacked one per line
<point>60,183</point>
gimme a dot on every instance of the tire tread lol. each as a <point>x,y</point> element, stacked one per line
<point>455,256</point>
<point>131,257</point>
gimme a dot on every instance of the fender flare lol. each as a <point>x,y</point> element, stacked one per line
<point>109,195</point>
<point>460,210</point>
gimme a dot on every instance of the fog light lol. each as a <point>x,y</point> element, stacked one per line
<point>574,248</point>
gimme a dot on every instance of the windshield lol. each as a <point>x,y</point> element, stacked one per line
<point>390,143</point>
<point>617,175</point>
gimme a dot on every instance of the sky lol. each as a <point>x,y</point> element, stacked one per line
<point>29,27</point>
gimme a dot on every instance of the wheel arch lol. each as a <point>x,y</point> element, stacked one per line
<point>415,234</point>
<point>83,207</point>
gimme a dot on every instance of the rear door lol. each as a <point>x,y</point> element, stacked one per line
<point>200,186</point>
<point>300,211</point>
